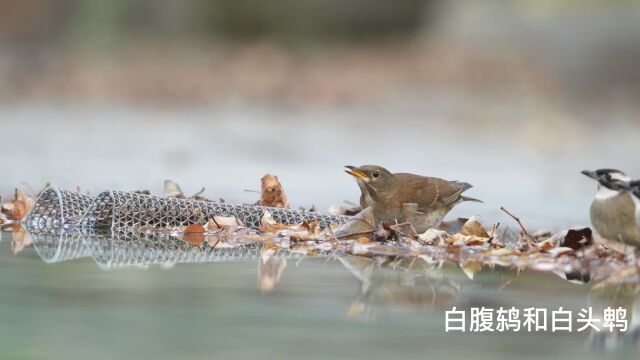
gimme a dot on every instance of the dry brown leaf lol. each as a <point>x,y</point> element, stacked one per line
<point>271,193</point>
<point>194,234</point>
<point>269,224</point>
<point>473,227</point>
<point>21,206</point>
<point>467,240</point>
<point>474,240</point>
<point>313,227</point>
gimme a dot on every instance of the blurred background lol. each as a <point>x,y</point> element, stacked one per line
<point>515,97</point>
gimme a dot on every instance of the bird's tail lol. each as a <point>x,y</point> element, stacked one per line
<point>468,198</point>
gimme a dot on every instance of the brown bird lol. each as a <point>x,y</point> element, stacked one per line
<point>615,212</point>
<point>395,198</point>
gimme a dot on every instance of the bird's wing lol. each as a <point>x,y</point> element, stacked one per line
<point>411,188</point>
<point>427,192</point>
<point>450,191</point>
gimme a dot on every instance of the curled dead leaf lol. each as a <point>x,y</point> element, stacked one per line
<point>269,224</point>
<point>473,227</point>
<point>433,237</point>
<point>21,206</point>
<point>361,224</point>
<point>271,193</point>
<point>467,240</point>
<point>313,227</point>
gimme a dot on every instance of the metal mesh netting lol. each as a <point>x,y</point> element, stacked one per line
<point>56,208</point>
<point>128,210</point>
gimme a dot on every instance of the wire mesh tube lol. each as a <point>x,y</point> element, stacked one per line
<point>127,210</point>
<point>56,208</point>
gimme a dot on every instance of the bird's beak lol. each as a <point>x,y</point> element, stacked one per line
<point>353,171</point>
<point>590,174</point>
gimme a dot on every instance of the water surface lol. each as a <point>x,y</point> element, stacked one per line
<point>322,307</point>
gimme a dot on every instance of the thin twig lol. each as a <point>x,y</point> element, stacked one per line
<point>517,219</point>
<point>494,228</point>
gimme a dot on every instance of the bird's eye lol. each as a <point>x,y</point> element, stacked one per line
<point>375,174</point>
